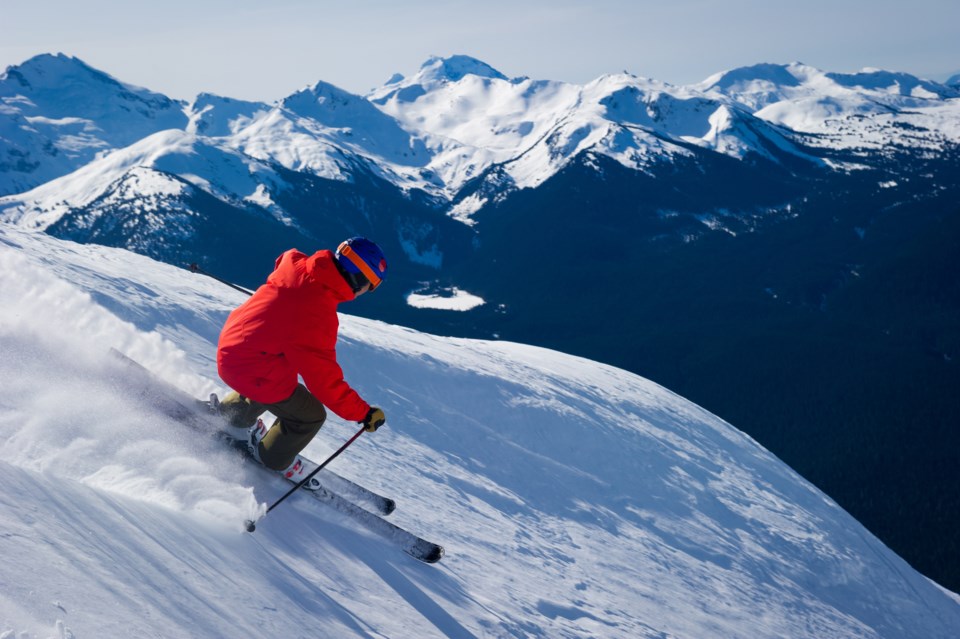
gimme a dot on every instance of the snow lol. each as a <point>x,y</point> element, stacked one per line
<point>453,299</point>
<point>845,110</point>
<point>218,116</point>
<point>352,122</point>
<point>170,159</point>
<point>465,209</point>
<point>455,68</point>
<point>574,499</point>
<point>60,113</point>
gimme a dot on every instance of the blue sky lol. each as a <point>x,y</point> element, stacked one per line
<point>266,50</point>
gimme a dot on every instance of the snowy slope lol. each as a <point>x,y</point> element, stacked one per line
<point>574,499</point>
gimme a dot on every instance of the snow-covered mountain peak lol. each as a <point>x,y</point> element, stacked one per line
<point>532,129</point>
<point>853,111</point>
<point>454,68</point>
<point>783,75</point>
<point>609,87</point>
<point>438,74</point>
<point>203,162</point>
<point>330,105</point>
<point>216,116</point>
<point>893,83</point>
<point>59,86</point>
<point>57,113</point>
<point>760,85</point>
<point>50,71</point>
<point>325,115</point>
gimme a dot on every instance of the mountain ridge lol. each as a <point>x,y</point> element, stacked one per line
<point>506,120</point>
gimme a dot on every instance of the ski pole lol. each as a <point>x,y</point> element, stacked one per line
<point>251,525</point>
<point>195,268</point>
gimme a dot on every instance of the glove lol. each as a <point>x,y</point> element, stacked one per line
<point>374,419</point>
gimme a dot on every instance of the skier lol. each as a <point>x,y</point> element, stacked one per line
<point>289,328</point>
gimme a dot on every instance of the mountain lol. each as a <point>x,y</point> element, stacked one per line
<point>870,90</point>
<point>217,116</point>
<point>775,243</point>
<point>575,499</point>
<point>463,134</point>
<point>849,111</point>
<point>359,123</point>
<point>524,131</point>
<point>59,114</point>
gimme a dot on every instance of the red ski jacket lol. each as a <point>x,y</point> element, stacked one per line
<point>289,327</point>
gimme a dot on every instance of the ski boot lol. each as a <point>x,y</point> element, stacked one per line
<point>294,473</point>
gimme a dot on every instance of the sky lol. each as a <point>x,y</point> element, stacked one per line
<point>255,50</point>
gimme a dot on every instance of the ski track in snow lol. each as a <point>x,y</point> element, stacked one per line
<point>574,499</point>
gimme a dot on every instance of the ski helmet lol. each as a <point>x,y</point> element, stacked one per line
<point>358,255</point>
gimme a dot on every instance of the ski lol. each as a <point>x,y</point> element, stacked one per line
<point>351,490</point>
<point>181,407</point>
<point>413,545</point>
